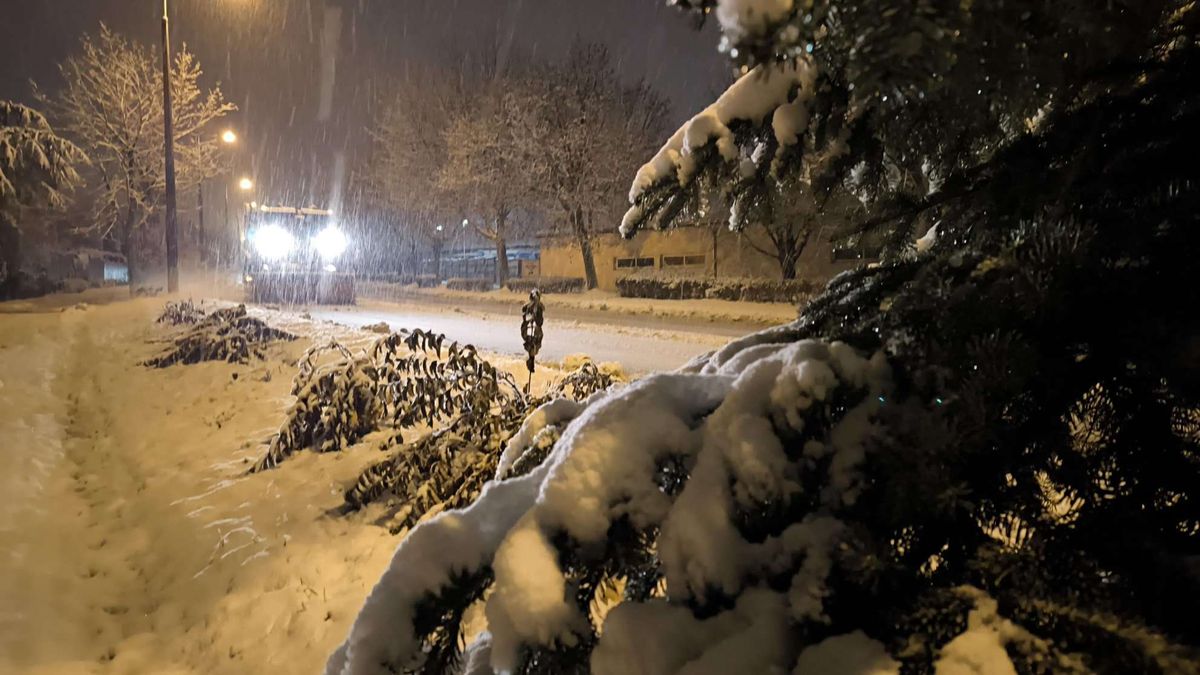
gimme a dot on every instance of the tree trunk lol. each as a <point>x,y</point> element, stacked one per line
<point>200,243</point>
<point>585,249</point>
<point>715,234</point>
<point>589,264</point>
<point>437,260</point>
<point>501,250</point>
<point>10,255</point>
<point>126,243</point>
<point>501,262</point>
<point>788,257</point>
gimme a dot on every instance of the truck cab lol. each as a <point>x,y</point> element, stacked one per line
<point>293,256</point>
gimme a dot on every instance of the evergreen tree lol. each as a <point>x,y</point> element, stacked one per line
<point>37,168</point>
<point>979,456</point>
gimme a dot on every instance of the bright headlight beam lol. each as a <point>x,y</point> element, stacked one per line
<point>273,242</point>
<point>330,242</point>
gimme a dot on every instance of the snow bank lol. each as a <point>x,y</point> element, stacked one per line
<point>721,419</point>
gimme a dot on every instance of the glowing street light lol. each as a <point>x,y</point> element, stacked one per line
<point>228,137</point>
<point>246,184</point>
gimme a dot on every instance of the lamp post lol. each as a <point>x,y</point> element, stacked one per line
<point>463,236</point>
<point>245,185</point>
<point>229,138</point>
<point>171,222</point>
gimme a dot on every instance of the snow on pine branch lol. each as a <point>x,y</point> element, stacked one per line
<point>780,92</point>
<point>740,19</point>
<point>613,468</point>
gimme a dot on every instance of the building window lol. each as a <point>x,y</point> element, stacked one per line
<point>629,263</point>
<point>682,260</point>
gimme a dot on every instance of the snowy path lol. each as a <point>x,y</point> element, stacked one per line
<point>639,344</point>
<point>131,540</point>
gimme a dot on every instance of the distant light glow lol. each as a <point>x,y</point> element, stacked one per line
<point>273,242</point>
<point>330,268</point>
<point>330,242</point>
<point>246,184</point>
<point>228,137</point>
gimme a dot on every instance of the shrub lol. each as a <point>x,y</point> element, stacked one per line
<point>410,378</point>
<point>695,288</point>
<point>225,335</point>
<point>760,290</point>
<point>546,284</point>
<point>470,284</point>
<point>421,280</point>
<point>447,468</point>
<point>662,288</point>
<point>184,312</point>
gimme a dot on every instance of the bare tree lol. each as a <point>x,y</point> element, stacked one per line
<point>400,179</point>
<point>489,149</point>
<point>37,169</point>
<point>593,132</point>
<point>110,104</point>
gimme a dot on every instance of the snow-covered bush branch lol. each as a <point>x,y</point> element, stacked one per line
<point>447,468</point>
<point>228,335</point>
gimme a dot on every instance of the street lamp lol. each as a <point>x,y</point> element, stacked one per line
<point>230,138</point>
<point>171,223</point>
<point>245,184</point>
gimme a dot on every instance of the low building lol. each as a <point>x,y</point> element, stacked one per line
<point>683,251</point>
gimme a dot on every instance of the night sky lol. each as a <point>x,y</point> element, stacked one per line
<point>270,57</point>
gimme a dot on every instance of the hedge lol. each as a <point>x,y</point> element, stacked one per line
<point>546,284</point>
<point>420,280</point>
<point>695,288</point>
<point>460,284</point>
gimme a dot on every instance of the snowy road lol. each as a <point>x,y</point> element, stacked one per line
<point>639,344</point>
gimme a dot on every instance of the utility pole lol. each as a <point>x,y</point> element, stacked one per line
<point>171,223</point>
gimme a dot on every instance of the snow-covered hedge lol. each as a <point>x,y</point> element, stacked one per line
<point>470,284</point>
<point>546,284</point>
<point>224,335</point>
<point>720,288</point>
<point>447,468</point>
<point>181,313</point>
<point>406,378</point>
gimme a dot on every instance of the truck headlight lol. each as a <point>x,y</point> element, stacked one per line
<point>273,242</point>
<point>330,242</point>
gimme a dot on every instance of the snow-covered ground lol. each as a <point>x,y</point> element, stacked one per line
<point>131,540</point>
<point>596,304</point>
<point>639,346</point>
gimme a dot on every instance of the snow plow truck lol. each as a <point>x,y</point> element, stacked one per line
<point>293,256</point>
